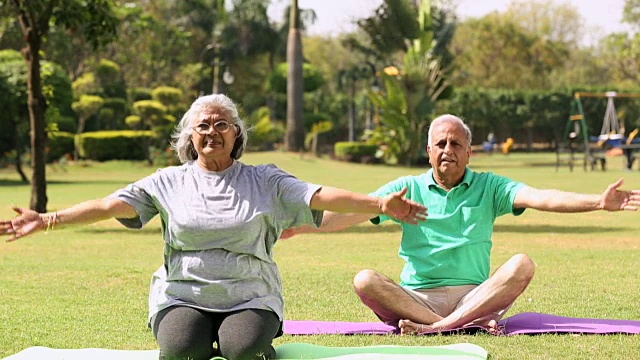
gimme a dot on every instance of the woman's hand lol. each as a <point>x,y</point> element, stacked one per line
<point>26,222</point>
<point>403,209</point>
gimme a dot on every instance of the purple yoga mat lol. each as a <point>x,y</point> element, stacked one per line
<point>536,323</point>
<point>523,323</point>
<point>310,327</point>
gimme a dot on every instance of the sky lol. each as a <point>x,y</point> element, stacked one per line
<point>335,16</point>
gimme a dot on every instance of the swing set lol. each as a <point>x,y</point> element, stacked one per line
<point>611,134</point>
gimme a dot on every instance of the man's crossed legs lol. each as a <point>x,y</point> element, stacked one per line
<point>451,307</point>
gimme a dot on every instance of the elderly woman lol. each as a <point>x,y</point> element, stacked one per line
<point>218,292</point>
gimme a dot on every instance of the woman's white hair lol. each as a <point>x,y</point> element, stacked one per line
<point>181,137</point>
<point>448,118</point>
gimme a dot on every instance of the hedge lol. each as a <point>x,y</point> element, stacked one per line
<point>115,145</point>
<point>59,144</point>
<point>355,151</point>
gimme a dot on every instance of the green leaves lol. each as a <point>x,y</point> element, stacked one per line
<point>407,105</point>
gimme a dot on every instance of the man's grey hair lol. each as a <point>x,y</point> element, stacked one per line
<point>448,118</point>
<point>181,137</point>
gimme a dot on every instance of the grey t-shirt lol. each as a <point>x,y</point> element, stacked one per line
<point>219,229</point>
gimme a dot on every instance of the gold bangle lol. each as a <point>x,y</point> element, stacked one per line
<point>51,222</point>
<point>55,219</point>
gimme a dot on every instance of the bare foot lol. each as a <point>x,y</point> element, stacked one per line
<point>492,327</point>
<point>408,327</point>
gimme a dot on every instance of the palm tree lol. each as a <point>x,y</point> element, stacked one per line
<point>294,139</point>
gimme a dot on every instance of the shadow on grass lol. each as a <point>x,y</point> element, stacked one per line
<point>89,182</point>
<point>5,182</point>
<point>499,228</point>
<point>145,231</point>
<point>555,229</point>
<point>493,167</point>
<point>370,229</point>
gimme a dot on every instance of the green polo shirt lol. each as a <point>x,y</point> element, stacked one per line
<point>453,246</point>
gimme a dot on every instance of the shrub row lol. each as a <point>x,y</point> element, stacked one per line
<point>355,151</point>
<point>101,145</point>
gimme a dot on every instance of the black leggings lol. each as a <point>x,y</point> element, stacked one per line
<point>186,333</point>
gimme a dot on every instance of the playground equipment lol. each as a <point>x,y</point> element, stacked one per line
<point>577,136</point>
<point>506,147</point>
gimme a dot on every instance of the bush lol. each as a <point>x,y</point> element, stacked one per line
<point>355,151</point>
<point>312,78</point>
<point>59,144</point>
<point>264,135</point>
<point>139,94</point>
<point>67,124</point>
<point>115,145</point>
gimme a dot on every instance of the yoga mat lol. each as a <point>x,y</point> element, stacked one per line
<point>523,323</point>
<point>310,327</point>
<point>294,351</point>
<point>383,352</point>
<point>536,323</point>
<point>45,353</point>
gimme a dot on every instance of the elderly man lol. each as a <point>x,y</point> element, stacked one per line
<point>445,282</point>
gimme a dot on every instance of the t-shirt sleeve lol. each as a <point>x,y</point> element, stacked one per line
<point>139,196</point>
<point>384,190</point>
<point>293,198</point>
<point>505,194</point>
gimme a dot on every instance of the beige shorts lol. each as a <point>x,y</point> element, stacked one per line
<point>445,300</point>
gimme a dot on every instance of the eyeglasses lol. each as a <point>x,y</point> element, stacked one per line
<point>221,126</point>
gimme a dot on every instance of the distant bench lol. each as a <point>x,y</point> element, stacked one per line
<point>598,155</point>
<point>631,153</point>
<point>571,156</point>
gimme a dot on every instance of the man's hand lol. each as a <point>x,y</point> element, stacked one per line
<point>403,209</point>
<point>613,199</point>
<point>26,222</point>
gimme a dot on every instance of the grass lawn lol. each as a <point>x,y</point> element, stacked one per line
<point>87,286</point>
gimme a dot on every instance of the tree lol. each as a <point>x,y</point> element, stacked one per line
<point>410,95</point>
<point>406,107</point>
<point>87,106</point>
<point>294,138</point>
<point>623,56</point>
<point>390,29</point>
<point>631,13</point>
<point>11,134</point>
<point>493,51</point>
<point>150,49</point>
<point>57,93</point>
<point>559,23</point>
<point>623,50</point>
<point>96,21</point>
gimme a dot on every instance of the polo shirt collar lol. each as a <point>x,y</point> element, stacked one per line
<point>466,179</point>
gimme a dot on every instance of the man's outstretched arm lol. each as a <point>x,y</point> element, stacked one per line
<point>612,199</point>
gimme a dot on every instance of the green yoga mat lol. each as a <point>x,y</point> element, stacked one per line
<point>293,351</point>
<point>382,352</point>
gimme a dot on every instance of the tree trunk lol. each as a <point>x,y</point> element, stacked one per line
<point>271,101</point>
<point>294,139</point>
<point>37,107</point>
<point>352,110</point>
<point>217,84</point>
<point>18,163</point>
<point>76,151</point>
<point>314,145</point>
